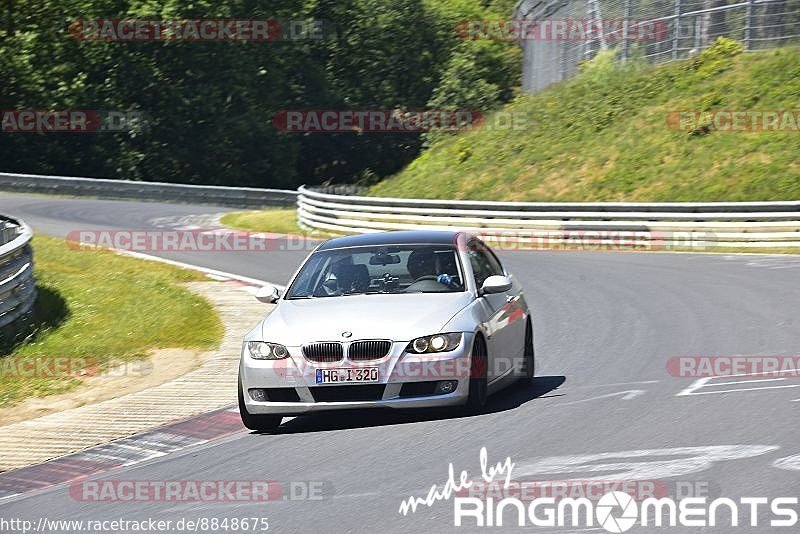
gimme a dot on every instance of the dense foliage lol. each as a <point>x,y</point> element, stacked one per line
<point>207,108</point>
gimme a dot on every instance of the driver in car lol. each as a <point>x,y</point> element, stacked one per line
<point>421,266</point>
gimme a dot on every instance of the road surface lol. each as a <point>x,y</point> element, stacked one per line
<point>604,404</point>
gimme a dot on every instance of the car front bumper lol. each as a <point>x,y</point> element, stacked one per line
<point>400,376</point>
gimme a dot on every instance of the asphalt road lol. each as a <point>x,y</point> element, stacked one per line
<point>603,406</point>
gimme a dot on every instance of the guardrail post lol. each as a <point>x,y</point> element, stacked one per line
<point>676,30</point>
<point>626,42</point>
<point>748,24</point>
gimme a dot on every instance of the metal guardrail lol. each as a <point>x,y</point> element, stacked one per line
<point>244,197</point>
<point>665,225</point>
<point>17,285</point>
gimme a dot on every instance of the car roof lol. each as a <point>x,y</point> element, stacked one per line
<point>416,237</point>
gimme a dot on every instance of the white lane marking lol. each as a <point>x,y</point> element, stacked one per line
<point>721,391</point>
<point>94,454</point>
<point>212,272</point>
<point>258,236</point>
<point>200,220</point>
<point>706,382</point>
<point>144,458</point>
<point>775,263</point>
<point>158,446</point>
<point>791,463</point>
<point>636,465</point>
<point>134,448</point>
<point>10,496</point>
<point>142,454</point>
<point>618,384</point>
<point>697,384</point>
<point>752,381</point>
<point>626,395</point>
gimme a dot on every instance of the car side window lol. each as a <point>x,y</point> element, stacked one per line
<point>497,269</point>
<point>484,264</point>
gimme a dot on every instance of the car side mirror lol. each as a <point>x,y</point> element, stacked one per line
<point>496,284</point>
<point>268,294</point>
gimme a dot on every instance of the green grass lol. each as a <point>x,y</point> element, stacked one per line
<point>106,308</point>
<point>279,221</point>
<point>603,136</point>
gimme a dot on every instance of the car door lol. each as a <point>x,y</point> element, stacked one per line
<point>502,322</point>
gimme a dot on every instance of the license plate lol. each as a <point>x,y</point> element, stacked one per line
<point>351,376</point>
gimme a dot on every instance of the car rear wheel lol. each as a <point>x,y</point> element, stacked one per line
<point>258,422</point>
<point>478,381</point>
<point>529,359</point>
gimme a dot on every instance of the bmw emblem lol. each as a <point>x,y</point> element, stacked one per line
<point>347,334</point>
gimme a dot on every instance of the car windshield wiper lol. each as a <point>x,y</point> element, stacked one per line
<point>298,297</point>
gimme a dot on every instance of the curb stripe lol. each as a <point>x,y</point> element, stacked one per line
<point>128,451</point>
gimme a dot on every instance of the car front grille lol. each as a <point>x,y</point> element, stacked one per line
<point>323,352</point>
<point>369,350</point>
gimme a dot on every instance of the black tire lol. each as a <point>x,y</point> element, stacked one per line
<point>258,422</point>
<point>529,357</point>
<point>478,381</point>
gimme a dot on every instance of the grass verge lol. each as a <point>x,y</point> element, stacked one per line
<point>605,136</point>
<point>106,309</point>
<point>275,220</point>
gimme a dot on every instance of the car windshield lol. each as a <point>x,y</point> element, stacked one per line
<point>379,270</point>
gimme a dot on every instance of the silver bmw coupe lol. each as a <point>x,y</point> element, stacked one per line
<point>416,319</point>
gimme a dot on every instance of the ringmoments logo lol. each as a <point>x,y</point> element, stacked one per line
<point>605,511</point>
<point>615,511</point>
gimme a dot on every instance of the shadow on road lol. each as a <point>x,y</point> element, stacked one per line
<point>508,399</point>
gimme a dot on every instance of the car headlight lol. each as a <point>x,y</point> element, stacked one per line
<point>260,350</point>
<point>434,343</point>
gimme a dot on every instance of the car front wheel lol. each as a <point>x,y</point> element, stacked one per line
<point>529,360</point>
<point>478,381</point>
<point>258,422</point>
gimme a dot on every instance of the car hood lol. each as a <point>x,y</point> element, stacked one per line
<point>400,317</point>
